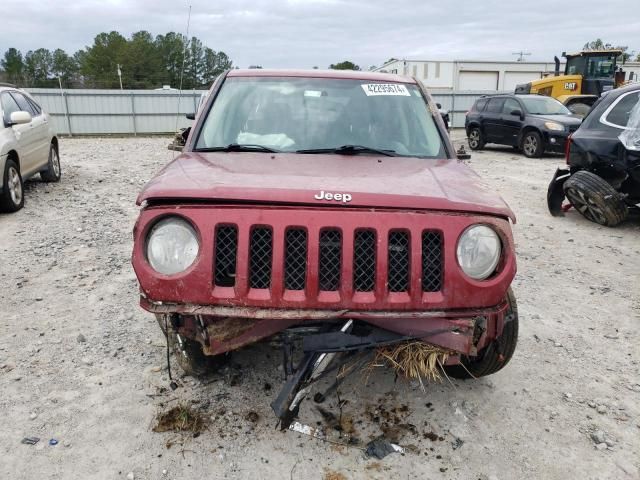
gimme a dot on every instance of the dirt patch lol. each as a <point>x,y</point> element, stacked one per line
<point>181,418</point>
<point>331,475</point>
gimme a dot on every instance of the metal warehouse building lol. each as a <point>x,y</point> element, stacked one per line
<point>477,75</point>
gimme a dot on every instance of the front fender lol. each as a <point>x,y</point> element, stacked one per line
<point>555,192</point>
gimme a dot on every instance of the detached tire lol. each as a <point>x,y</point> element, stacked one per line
<point>53,171</point>
<point>12,193</point>
<point>490,360</point>
<point>188,353</point>
<point>475,139</point>
<point>532,145</point>
<point>595,199</point>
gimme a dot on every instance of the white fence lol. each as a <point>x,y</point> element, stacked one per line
<point>143,112</point>
<point>117,112</point>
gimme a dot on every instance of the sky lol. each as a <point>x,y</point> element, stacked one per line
<point>308,33</point>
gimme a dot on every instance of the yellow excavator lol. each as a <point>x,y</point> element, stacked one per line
<point>587,75</point>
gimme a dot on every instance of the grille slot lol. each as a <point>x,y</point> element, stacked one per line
<point>260,254</point>
<point>330,260</point>
<point>398,261</point>
<point>364,261</point>
<point>225,256</point>
<point>431,261</point>
<point>295,261</point>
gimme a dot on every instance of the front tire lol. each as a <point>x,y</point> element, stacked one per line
<point>188,353</point>
<point>53,171</point>
<point>595,199</point>
<point>532,145</point>
<point>12,194</point>
<point>476,140</point>
<point>496,355</point>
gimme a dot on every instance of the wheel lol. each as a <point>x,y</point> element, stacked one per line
<point>53,171</point>
<point>476,142</point>
<point>580,109</point>
<point>189,354</point>
<point>496,355</point>
<point>532,145</point>
<point>595,199</point>
<point>12,195</point>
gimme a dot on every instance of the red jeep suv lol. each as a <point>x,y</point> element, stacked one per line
<point>325,199</point>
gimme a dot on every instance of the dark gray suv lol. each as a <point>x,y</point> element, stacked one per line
<point>533,124</point>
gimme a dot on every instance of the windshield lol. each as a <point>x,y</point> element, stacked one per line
<point>542,105</point>
<point>292,114</point>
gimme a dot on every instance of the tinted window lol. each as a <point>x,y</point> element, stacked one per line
<point>9,105</point>
<point>510,105</point>
<point>23,103</point>
<point>495,105</point>
<point>291,114</point>
<point>479,105</point>
<point>619,114</point>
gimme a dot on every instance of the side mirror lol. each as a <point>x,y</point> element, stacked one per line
<point>439,105</point>
<point>517,113</point>
<point>190,116</point>
<point>18,118</point>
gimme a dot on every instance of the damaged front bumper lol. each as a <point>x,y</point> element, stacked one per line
<point>221,329</point>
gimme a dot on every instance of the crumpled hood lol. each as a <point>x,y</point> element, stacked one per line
<point>299,179</point>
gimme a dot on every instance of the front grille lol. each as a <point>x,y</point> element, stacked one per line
<point>431,261</point>
<point>295,247</point>
<point>295,260</point>
<point>398,261</point>
<point>330,260</point>
<point>225,256</point>
<point>364,261</point>
<point>260,252</point>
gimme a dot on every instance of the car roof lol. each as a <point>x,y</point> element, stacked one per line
<point>335,74</point>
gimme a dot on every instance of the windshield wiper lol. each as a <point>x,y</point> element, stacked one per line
<point>237,147</point>
<point>350,150</point>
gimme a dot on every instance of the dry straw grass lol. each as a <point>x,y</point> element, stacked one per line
<point>413,360</point>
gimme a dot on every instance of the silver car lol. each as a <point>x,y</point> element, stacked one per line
<point>28,145</point>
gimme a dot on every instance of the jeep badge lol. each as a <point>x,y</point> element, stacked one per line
<point>338,197</point>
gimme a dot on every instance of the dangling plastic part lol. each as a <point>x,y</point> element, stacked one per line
<point>630,138</point>
<point>172,384</point>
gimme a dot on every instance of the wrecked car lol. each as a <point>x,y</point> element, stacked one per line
<point>330,204</point>
<point>602,177</point>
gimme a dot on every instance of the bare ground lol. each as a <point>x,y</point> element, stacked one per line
<point>65,272</point>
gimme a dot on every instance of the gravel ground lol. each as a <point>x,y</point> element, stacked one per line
<point>82,363</point>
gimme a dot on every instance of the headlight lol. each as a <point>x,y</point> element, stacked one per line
<point>554,126</point>
<point>172,246</point>
<point>478,251</point>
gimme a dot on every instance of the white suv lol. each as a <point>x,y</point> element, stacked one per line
<point>28,145</point>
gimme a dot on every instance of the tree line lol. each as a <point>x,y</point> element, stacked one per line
<point>143,61</point>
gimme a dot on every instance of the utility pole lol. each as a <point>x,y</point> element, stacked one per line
<point>120,76</point>
<point>521,55</point>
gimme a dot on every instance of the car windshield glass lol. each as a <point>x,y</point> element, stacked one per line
<point>544,106</point>
<point>310,114</point>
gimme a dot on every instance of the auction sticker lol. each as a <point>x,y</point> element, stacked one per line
<point>373,89</point>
